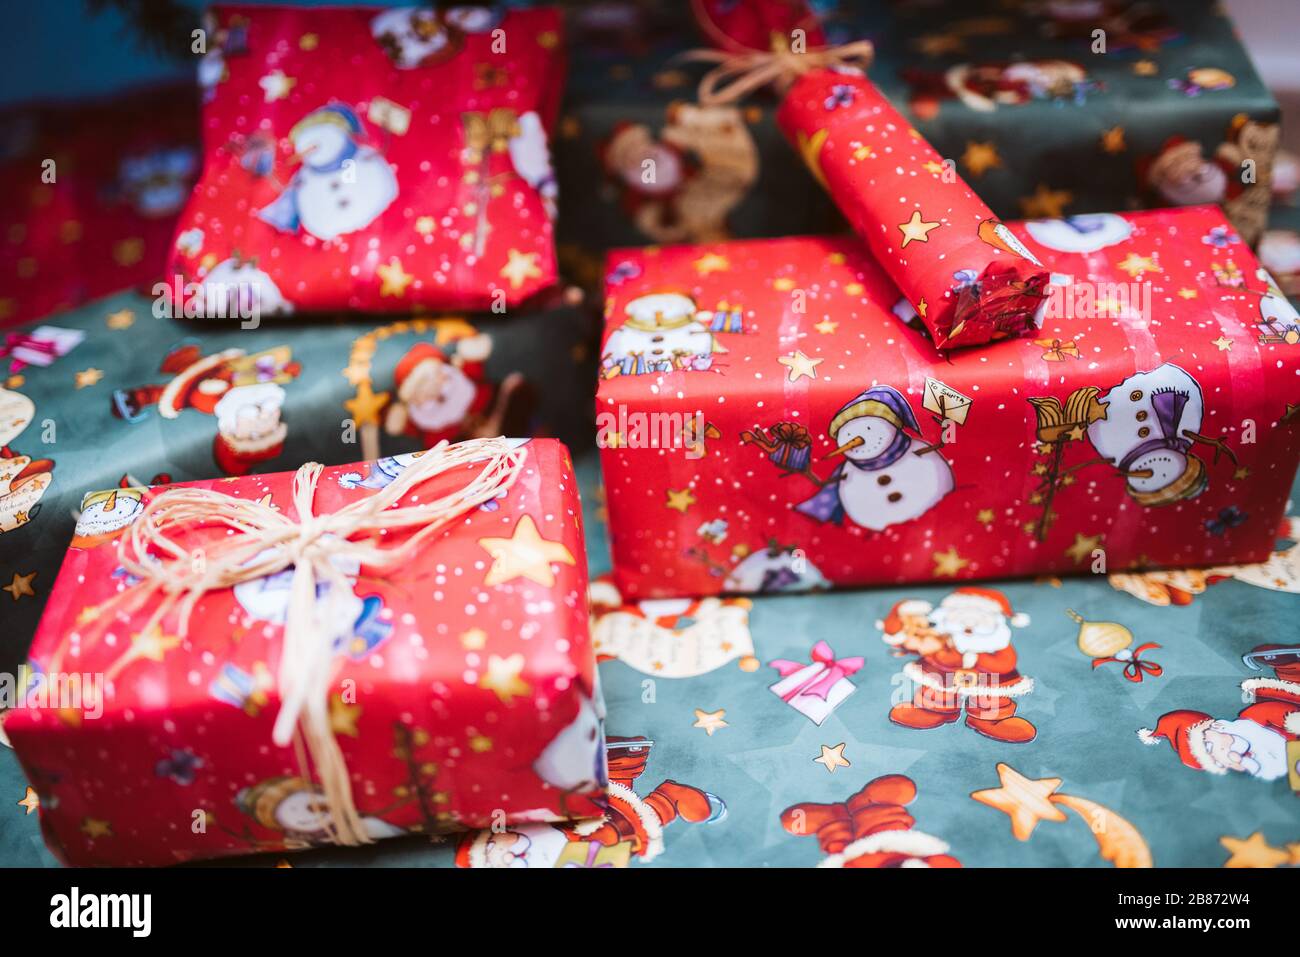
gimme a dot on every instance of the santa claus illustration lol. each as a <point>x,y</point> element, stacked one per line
<point>1255,742</point>
<point>664,332</point>
<point>299,810</point>
<point>633,827</point>
<point>1148,432</point>
<point>249,429</point>
<point>964,660</point>
<point>872,828</point>
<point>883,478</point>
<point>681,185</point>
<point>1086,233</point>
<point>985,87</point>
<point>449,397</point>
<point>1182,175</point>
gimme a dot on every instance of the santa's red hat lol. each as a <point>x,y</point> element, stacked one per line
<point>892,624</point>
<point>1185,732</point>
<point>418,353</point>
<point>985,599</point>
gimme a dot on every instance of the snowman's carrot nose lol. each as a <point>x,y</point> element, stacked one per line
<point>853,443</point>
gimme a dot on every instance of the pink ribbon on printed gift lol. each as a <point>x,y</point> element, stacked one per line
<point>821,681</point>
<point>17,343</point>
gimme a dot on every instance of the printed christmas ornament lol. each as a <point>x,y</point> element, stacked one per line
<point>1109,642</point>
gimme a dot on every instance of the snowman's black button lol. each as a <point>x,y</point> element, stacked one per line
<point>1143,432</point>
<point>895,496</point>
<point>1142,416</point>
<point>884,480</point>
<point>1135,395</point>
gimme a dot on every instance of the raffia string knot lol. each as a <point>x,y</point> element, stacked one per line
<point>261,540</point>
<point>738,73</point>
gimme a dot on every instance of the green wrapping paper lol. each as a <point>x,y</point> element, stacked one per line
<point>136,400</point>
<point>1011,93</point>
<point>1046,117</point>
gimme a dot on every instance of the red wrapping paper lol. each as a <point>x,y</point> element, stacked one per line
<point>470,675</point>
<point>966,275</point>
<point>834,447</point>
<point>375,159</point>
<point>756,24</point>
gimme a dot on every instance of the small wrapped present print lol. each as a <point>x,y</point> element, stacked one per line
<point>333,655</point>
<point>818,688</point>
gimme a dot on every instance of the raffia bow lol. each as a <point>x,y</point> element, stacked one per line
<point>264,541</point>
<point>737,73</point>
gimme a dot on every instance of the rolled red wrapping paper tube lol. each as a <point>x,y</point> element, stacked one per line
<point>968,278</point>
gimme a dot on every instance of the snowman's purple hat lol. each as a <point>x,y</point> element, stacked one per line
<point>333,113</point>
<point>881,401</point>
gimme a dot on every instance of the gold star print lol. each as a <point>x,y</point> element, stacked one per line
<point>502,677</point>
<point>710,721</point>
<point>979,158</point>
<point>128,252</point>
<point>863,152</point>
<point>520,267</point>
<point>1112,140</point>
<point>985,516</point>
<point>832,758</point>
<point>21,586</point>
<point>122,319</point>
<point>1186,293</point>
<point>916,229</point>
<point>425,225</point>
<point>933,167</point>
<point>948,564</point>
<point>474,640</point>
<point>800,365</point>
<point>343,716</point>
<point>525,554</point>
<point>276,85</point>
<point>1134,264</point>
<point>93,828</point>
<point>1083,547</point>
<point>480,744</point>
<point>1240,474</point>
<point>308,41</point>
<point>1024,800</point>
<point>1046,203</point>
<point>1144,68</point>
<point>1223,343</point>
<point>394,278</point>
<point>1253,851</point>
<point>826,327</point>
<point>88,377</point>
<point>810,148</point>
<point>921,306</point>
<point>30,800</point>
<point>365,405</point>
<point>780,285</point>
<point>680,499</point>
<point>711,263</point>
<point>153,644</point>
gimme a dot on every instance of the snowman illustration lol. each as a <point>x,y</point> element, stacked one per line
<point>664,332</point>
<point>1278,319</point>
<point>23,479</point>
<point>236,288</point>
<point>413,37</point>
<point>107,513</point>
<point>882,480</point>
<point>1080,234</point>
<point>342,185</point>
<point>298,809</point>
<point>574,760</point>
<point>267,599</point>
<point>772,570</point>
<point>1148,431</point>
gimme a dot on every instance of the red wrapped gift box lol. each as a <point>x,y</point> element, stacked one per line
<point>375,159</point>
<point>1152,422</point>
<point>460,692</point>
<point>965,273</point>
